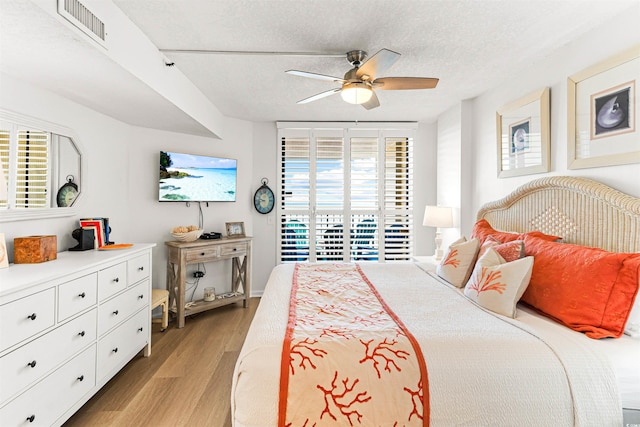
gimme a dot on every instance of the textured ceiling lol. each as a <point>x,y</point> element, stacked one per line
<point>471,45</point>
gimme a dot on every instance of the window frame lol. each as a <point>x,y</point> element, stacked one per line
<point>380,130</point>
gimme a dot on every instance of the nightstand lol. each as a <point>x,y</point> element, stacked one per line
<point>428,261</point>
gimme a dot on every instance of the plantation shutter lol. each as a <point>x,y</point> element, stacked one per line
<point>398,198</point>
<point>32,170</point>
<point>4,159</point>
<point>294,196</point>
<point>329,195</point>
<point>330,212</point>
<point>365,189</point>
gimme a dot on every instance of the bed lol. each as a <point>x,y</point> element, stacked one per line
<point>483,368</point>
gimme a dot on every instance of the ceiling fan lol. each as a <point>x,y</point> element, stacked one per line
<point>359,82</point>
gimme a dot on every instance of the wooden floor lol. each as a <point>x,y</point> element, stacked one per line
<point>185,382</point>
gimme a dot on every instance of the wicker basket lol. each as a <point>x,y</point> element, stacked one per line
<point>189,236</point>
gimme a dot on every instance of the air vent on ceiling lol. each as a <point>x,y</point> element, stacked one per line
<point>78,14</point>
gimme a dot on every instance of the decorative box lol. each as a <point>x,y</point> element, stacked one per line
<point>34,249</point>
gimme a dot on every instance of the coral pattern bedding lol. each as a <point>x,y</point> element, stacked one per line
<point>484,369</point>
<point>344,344</point>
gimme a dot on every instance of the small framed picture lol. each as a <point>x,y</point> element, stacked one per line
<point>523,137</point>
<point>4,256</point>
<point>235,229</point>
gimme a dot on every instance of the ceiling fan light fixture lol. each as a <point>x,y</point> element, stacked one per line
<point>356,93</point>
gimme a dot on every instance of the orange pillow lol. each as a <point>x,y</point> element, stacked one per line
<point>510,251</point>
<point>587,289</point>
<point>482,229</point>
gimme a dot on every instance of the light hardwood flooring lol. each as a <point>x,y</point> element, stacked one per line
<point>185,382</point>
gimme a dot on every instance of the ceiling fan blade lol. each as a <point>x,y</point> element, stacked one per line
<point>378,64</point>
<point>372,103</point>
<point>405,83</point>
<point>315,76</point>
<point>319,96</point>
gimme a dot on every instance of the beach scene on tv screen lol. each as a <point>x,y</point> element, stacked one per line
<point>189,177</point>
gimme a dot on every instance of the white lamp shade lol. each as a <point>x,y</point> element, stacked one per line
<point>3,184</point>
<point>438,216</point>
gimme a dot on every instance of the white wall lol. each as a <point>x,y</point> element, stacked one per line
<point>121,180</point>
<point>425,184</point>
<point>478,127</point>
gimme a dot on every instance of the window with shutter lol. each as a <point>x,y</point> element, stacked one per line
<point>330,212</point>
<point>25,158</point>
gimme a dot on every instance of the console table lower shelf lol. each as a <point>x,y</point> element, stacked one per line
<point>181,254</point>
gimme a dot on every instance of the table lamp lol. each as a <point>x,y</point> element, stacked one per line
<point>439,217</point>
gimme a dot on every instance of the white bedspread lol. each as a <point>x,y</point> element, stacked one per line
<point>482,370</point>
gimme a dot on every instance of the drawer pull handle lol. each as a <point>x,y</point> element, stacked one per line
<point>32,364</point>
<point>31,419</point>
<point>32,316</point>
<point>81,333</point>
<point>140,329</point>
<point>116,280</point>
<point>140,268</point>
<point>81,378</point>
<point>235,249</point>
<point>202,254</point>
<point>115,350</point>
<point>140,296</point>
<point>115,312</point>
<point>82,295</point>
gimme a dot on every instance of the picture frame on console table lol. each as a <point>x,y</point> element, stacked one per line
<point>523,138</point>
<point>235,229</point>
<point>603,111</point>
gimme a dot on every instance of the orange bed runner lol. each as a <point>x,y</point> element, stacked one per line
<point>347,359</point>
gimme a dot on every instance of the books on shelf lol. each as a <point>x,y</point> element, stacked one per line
<point>101,230</point>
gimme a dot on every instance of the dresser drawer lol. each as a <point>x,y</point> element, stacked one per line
<point>138,269</point>
<point>122,343</point>
<point>233,249</point>
<point>77,295</point>
<point>26,317</point>
<point>112,280</point>
<point>29,363</point>
<point>202,254</point>
<point>114,311</point>
<point>49,399</point>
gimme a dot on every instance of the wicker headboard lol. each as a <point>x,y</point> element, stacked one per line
<point>580,210</point>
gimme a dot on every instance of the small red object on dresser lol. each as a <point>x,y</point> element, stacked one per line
<point>34,249</point>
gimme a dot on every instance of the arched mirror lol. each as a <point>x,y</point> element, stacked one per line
<point>40,169</point>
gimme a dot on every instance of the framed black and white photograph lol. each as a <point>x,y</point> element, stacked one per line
<point>519,136</point>
<point>523,139</point>
<point>235,229</point>
<point>602,113</point>
<point>611,110</point>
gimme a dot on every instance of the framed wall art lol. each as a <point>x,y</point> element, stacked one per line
<point>602,113</point>
<point>522,129</point>
<point>235,229</point>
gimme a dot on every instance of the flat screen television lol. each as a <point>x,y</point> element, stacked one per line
<point>195,178</point>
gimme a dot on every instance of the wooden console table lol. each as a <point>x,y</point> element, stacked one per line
<point>181,254</point>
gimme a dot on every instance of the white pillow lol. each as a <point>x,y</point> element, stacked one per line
<point>458,261</point>
<point>497,285</point>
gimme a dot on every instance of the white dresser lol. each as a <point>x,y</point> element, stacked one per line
<point>67,326</point>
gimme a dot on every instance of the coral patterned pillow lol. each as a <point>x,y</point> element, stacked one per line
<point>510,251</point>
<point>498,285</point>
<point>458,261</point>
